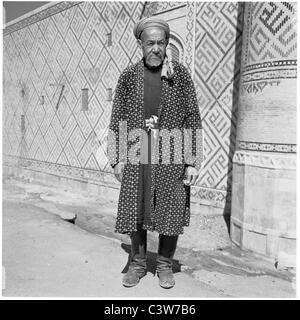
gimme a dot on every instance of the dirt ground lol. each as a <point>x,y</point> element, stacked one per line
<point>44,255</point>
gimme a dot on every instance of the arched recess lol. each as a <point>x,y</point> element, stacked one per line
<point>175,49</point>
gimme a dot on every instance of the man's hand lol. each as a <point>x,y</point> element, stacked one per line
<point>118,171</point>
<point>191,175</point>
<point>152,122</point>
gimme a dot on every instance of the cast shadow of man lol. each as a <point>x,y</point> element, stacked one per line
<point>151,261</point>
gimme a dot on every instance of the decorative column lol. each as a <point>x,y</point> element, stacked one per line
<point>263,209</point>
<point>4,16</point>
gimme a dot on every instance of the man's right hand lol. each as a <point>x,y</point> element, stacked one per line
<point>118,171</point>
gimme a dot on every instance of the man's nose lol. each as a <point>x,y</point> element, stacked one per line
<point>155,48</point>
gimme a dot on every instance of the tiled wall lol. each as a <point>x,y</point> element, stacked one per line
<point>67,49</point>
<point>218,35</point>
<point>67,45</point>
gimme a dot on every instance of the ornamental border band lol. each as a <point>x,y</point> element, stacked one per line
<point>155,150</point>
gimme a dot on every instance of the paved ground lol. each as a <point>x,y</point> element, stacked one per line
<point>44,255</point>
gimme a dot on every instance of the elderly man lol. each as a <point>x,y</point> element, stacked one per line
<point>155,96</point>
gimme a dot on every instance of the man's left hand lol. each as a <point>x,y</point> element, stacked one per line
<point>152,122</point>
<point>191,175</point>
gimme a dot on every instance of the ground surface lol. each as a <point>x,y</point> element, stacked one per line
<point>44,255</point>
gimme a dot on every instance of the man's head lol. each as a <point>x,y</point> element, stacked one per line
<point>153,36</point>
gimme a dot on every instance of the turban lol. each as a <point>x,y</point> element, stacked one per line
<point>152,22</point>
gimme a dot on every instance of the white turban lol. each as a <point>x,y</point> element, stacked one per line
<point>151,22</point>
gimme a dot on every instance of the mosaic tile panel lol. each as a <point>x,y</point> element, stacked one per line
<point>217,65</point>
<point>54,54</point>
<point>155,7</point>
<point>270,51</point>
<point>269,59</point>
<point>190,38</point>
<point>270,32</point>
<point>69,48</point>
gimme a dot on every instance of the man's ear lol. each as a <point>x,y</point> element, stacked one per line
<point>139,42</point>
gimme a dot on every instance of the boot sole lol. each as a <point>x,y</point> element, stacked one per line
<point>167,287</point>
<point>127,285</point>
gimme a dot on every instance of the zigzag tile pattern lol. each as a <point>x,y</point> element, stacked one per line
<point>67,48</point>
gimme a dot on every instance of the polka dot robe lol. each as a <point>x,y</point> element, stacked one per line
<point>178,109</point>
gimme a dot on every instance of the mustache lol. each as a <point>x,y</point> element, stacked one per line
<point>156,55</point>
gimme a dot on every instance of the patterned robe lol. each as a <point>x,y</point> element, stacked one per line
<point>178,109</point>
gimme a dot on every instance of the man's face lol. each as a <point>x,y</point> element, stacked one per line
<point>154,43</point>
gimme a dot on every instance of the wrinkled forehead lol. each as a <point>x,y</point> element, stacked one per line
<point>153,33</point>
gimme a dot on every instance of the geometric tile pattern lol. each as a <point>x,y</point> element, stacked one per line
<point>190,37</point>
<point>217,70</point>
<point>154,7</point>
<point>267,147</point>
<point>269,56</point>
<point>49,9</point>
<point>212,55</point>
<point>55,58</point>
<point>256,77</point>
<point>270,32</point>
<point>57,53</point>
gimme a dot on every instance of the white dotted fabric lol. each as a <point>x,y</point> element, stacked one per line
<point>178,109</point>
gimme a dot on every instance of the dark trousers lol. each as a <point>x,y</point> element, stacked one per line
<point>166,250</point>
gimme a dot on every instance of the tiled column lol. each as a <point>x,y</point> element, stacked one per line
<point>263,213</point>
<point>4,15</point>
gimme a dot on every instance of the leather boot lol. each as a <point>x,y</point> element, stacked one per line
<point>166,250</point>
<point>137,267</point>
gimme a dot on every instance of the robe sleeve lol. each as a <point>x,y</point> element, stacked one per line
<point>115,147</point>
<point>193,143</point>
